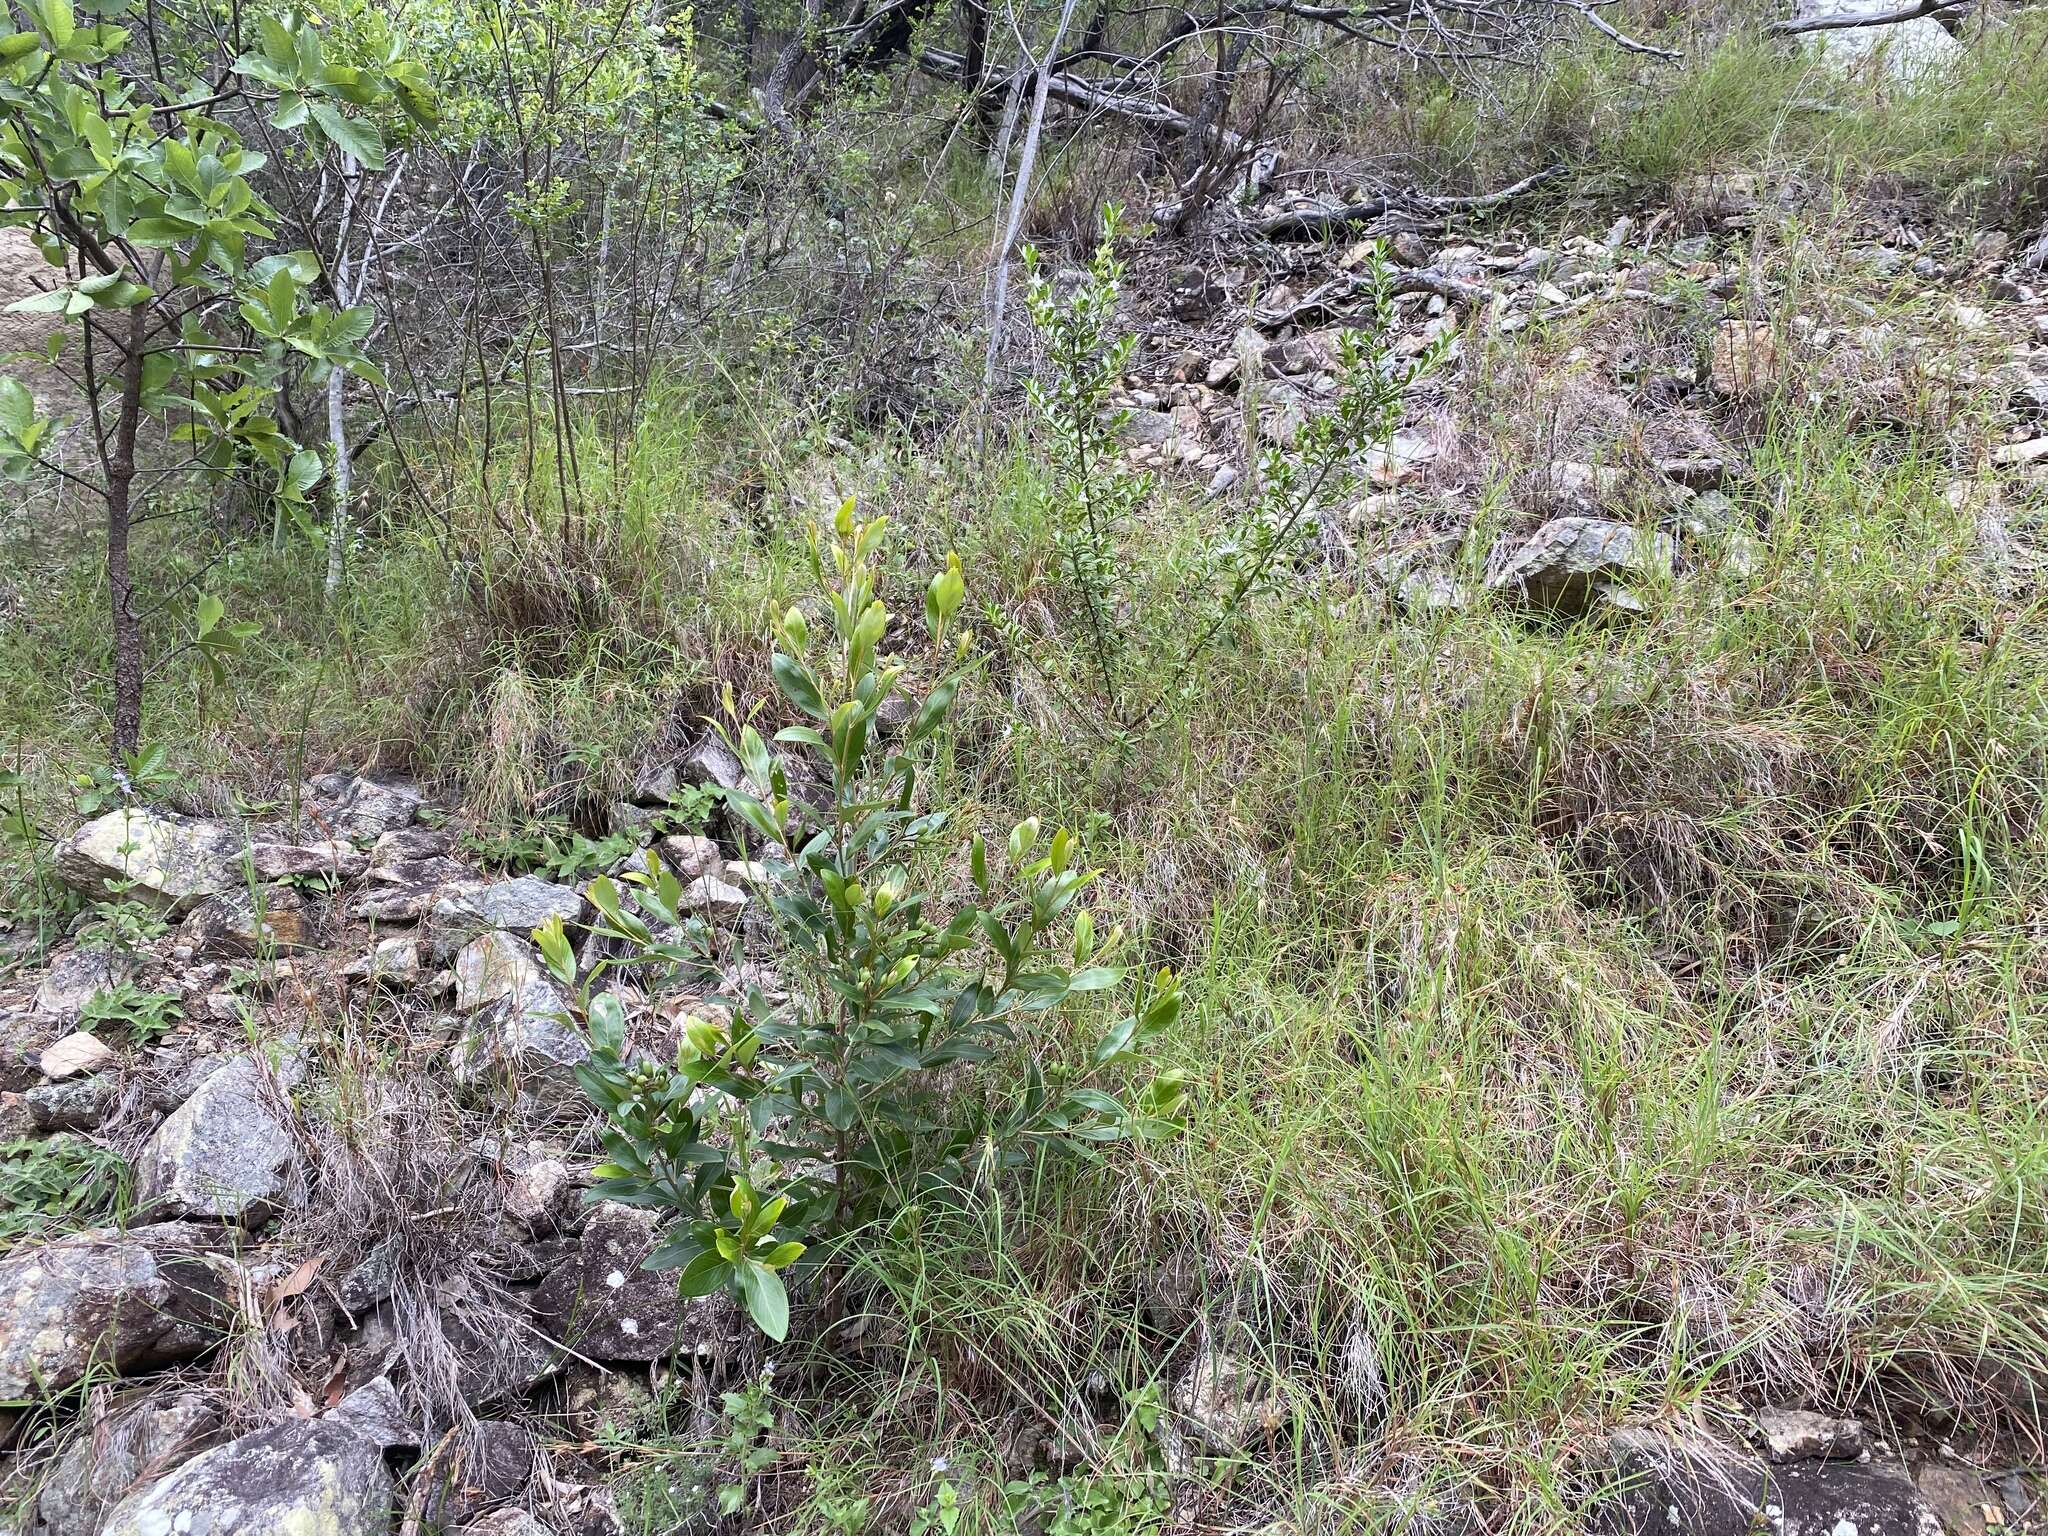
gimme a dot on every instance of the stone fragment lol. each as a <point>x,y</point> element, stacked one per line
<point>1742,361</point>
<point>107,1461</point>
<point>240,923</point>
<point>1794,1434</point>
<point>334,858</point>
<point>348,805</point>
<point>603,1305</point>
<point>80,1104</point>
<point>1225,1401</point>
<point>77,976</point>
<point>516,906</point>
<point>75,1056</point>
<point>304,1477</point>
<point>1571,564</point>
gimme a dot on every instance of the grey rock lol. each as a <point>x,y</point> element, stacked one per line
<point>405,891</point>
<point>306,1477</point>
<point>392,962</point>
<point>468,1475</point>
<point>542,1196</point>
<point>77,976</point>
<point>374,1276</point>
<point>1224,1401</point>
<point>224,1152</point>
<point>129,1300</point>
<point>1572,563</point>
<point>375,1412</point>
<point>710,761</point>
<point>1192,292</point>
<point>688,856</point>
<point>1795,1434</point>
<point>172,861</point>
<point>1962,1500</point>
<point>654,785</point>
<point>504,1522</point>
<point>410,845</point>
<point>334,858</point>
<point>1704,1488</point>
<point>80,1104</point>
<point>494,966</point>
<point>524,1043</point>
<point>106,1462</point>
<point>518,905</point>
<point>603,1305</point>
<point>348,805</point>
<point>708,893</point>
<point>1152,429</point>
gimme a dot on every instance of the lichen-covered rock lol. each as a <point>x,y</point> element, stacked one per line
<point>516,906</point>
<point>1571,563</point>
<point>523,1045</point>
<point>470,1473</point>
<point>78,976</point>
<point>103,1299</point>
<point>77,1104</point>
<point>603,1305</point>
<point>225,1152</point>
<point>172,861</point>
<point>1795,1434</point>
<point>404,891</point>
<point>308,1477</point>
<point>494,966</point>
<point>106,1462</point>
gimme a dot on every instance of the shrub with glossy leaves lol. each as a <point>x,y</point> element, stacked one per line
<point>915,1052</point>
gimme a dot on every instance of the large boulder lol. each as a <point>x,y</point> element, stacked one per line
<point>307,1477</point>
<point>605,1307</point>
<point>1571,564</point>
<point>518,905</point>
<point>225,1152</point>
<point>104,1299</point>
<point>172,861</point>
<point>1904,50</point>
<point>106,1462</point>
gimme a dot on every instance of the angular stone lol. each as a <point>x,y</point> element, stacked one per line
<point>337,860</point>
<point>393,962</point>
<point>404,892</point>
<point>1794,1434</point>
<point>1571,563</point>
<point>524,1043</point>
<point>80,1104</point>
<point>410,845</point>
<point>710,762</point>
<point>348,805</point>
<point>98,1299</point>
<point>688,856</point>
<point>241,923</point>
<point>75,1056</point>
<point>517,906</point>
<point>224,1152</point>
<point>171,861</point>
<point>493,966</point>
<point>106,1462</point>
<point>1704,1488</point>
<point>708,893</point>
<point>78,976</point>
<point>305,1477</point>
<point>541,1198</point>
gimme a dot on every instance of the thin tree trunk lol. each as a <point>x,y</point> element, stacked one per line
<point>337,421</point>
<point>1019,194</point>
<point>127,624</point>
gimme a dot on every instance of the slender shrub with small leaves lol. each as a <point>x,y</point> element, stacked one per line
<point>915,1053</point>
<point>1135,670</point>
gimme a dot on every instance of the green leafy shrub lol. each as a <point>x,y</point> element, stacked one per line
<point>145,1015</point>
<point>792,1125</point>
<point>57,1184</point>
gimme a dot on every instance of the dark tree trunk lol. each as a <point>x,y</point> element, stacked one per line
<point>120,590</point>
